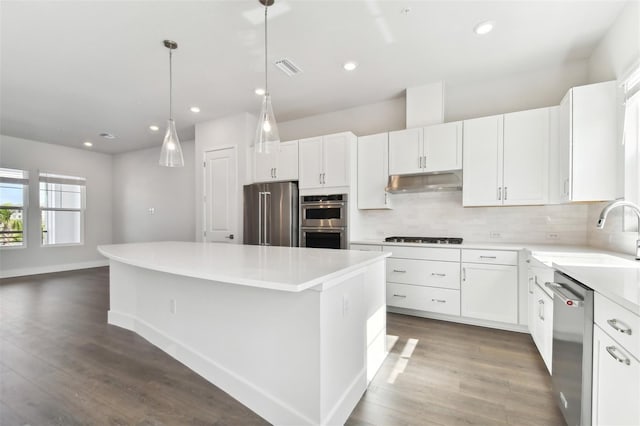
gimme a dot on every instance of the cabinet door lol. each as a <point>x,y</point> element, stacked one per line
<point>336,160</point>
<point>616,383</point>
<point>287,167</point>
<point>526,157</point>
<point>263,165</point>
<point>544,325</point>
<point>310,156</point>
<point>490,292</point>
<point>443,147</point>
<point>482,162</point>
<point>405,152</point>
<point>563,183</point>
<point>373,171</point>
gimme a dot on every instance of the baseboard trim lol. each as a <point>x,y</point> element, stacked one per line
<point>21,272</point>
<point>258,400</point>
<point>461,320</point>
<point>342,409</point>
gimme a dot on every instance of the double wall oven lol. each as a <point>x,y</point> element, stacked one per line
<point>323,221</point>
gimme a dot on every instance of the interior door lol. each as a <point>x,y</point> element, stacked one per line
<point>221,191</point>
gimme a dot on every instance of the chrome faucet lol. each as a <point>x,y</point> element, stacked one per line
<point>621,203</point>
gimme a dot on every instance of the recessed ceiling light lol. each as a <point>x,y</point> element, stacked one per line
<point>350,66</point>
<point>484,27</point>
<point>87,143</point>
<point>259,91</point>
<point>107,135</point>
<point>154,128</point>
<point>194,109</point>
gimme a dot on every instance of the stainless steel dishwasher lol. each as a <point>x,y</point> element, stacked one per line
<point>572,348</point>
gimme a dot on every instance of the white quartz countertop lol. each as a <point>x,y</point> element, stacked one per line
<point>277,268</point>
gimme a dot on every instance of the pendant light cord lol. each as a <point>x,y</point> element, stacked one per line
<point>266,79</point>
<point>170,85</point>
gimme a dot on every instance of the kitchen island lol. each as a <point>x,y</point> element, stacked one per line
<point>295,334</point>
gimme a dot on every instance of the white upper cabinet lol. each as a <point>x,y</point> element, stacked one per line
<point>430,149</point>
<point>506,158</point>
<point>324,161</point>
<point>443,147</point>
<point>373,171</point>
<point>405,152</point>
<point>482,162</point>
<point>587,144</point>
<point>526,156</point>
<point>280,164</point>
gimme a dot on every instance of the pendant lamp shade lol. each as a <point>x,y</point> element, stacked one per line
<point>267,135</point>
<point>171,153</point>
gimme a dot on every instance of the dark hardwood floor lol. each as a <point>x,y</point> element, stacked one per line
<point>62,364</point>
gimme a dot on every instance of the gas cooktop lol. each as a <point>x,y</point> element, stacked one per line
<point>424,240</point>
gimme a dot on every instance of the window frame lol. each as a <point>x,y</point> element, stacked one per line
<point>57,178</point>
<point>630,86</point>
<point>24,181</point>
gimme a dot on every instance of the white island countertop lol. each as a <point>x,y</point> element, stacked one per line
<point>278,268</point>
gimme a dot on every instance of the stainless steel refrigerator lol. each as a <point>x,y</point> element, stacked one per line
<point>271,214</point>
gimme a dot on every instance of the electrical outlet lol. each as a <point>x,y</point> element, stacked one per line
<point>552,236</point>
<point>151,210</point>
<point>345,305</point>
<point>494,235</point>
<point>172,306</point>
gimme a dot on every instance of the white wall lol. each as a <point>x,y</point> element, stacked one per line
<point>441,214</point>
<point>614,55</point>
<point>237,131</point>
<point>96,168</point>
<point>140,184</point>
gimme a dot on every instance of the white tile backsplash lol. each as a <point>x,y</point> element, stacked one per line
<point>441,214</point>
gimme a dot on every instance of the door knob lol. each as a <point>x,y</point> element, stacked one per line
<point>230,237</point>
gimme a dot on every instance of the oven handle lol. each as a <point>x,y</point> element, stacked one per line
<point>325,230</point>
<point>327,205</point>
<point>564,294</point>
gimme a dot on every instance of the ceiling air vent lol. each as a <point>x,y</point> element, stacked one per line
<point>288,67</point>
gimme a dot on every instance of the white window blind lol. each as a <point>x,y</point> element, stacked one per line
<point>62,203</point>
<point>14,186</point>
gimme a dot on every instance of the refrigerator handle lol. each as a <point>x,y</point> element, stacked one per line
<point>265,212</point>
<point>260,218</point>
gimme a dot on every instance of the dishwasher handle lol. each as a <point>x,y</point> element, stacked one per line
<point>564,294</point>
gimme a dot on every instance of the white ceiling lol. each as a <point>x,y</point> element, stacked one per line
<point>73,69</point>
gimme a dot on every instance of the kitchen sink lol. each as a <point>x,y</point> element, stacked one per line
<point>586,259</point>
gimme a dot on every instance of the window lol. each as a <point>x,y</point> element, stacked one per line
<point>14,190</point>
<point>62,203</point>
<point>631,138</point>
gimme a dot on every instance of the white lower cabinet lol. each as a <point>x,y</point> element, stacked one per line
<point>616,383</point>
<point>429,299</point>
<point>543,324</point>
<point>489,292</point>
<point>424,272</point>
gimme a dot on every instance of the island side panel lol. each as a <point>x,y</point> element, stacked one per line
<point>261,346</point>
<point>351,317</point>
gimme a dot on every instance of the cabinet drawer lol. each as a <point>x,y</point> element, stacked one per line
<point>425,253</point>
<point>429,299</point>
<point>365,247</point>
<point>424,272</point>
<point>617,322</point>
<point>498,257</point>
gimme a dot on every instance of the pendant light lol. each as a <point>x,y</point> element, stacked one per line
<point>267,135</point>
<point>171,154</point>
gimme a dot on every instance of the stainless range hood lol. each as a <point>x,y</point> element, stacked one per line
<point>431,182</point>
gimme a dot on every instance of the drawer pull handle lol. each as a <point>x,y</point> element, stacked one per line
<point>614,324</point>
<point>438,275</point>
<point>488,257</point>
<point>611,350</point>
<point>439,300</point>
<point>400,295</point>
<point>400,271</point>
